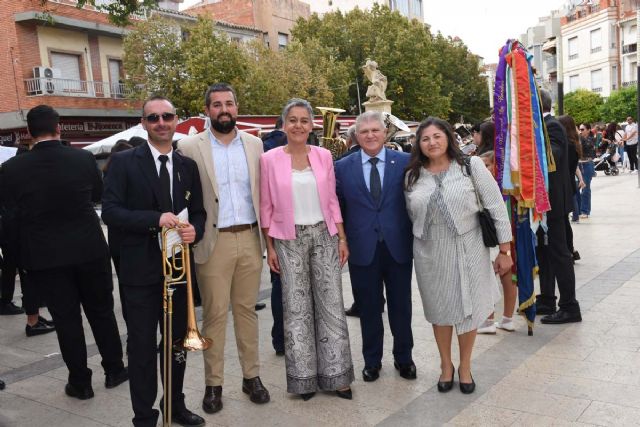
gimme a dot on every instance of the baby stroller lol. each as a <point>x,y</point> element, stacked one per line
<point>606,163</point>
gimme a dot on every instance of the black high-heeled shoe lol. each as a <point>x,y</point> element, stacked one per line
<point>445,386</point>
<point>345,394</point>
<point>307,396</point>
<point>467,388</point>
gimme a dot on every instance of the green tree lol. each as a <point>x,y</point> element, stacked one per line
<point>161,57</point>
<point>461,80</point>
<point>621,104</point>
<point>583,105</point>
<point>422,79</point>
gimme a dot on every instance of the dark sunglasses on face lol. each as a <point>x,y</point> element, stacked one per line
<point>155,118</point>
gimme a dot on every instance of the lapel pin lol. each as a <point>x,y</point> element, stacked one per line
<point>393,161</point>
<point>179,180</point>
<point>187,195</point>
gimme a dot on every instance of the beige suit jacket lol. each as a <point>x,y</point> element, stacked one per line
<point>198,148</point>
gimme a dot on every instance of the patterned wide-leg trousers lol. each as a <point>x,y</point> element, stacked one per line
<point>317,349</point>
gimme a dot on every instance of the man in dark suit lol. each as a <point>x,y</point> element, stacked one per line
<point>145,189</point>
<point>370,190</point>
<point>554,258</point>
<point>62,247</point>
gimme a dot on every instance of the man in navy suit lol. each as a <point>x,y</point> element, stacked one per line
<point>145,189</point>
<point>370,190</point>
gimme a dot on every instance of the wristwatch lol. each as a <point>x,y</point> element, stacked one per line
<point>507,253</point>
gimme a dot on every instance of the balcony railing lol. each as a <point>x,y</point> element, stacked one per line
<point>629,83</point>
<point>573,56</point>
<point>596,49</point>
<point>77,88</point>
<point>629,48</point>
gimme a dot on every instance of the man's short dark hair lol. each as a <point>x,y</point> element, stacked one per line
<point>134,141</point>
<point>219,87</point>
<point>42,120</point>
<point>545,100</point>
<point>279,122</point>
<point>156,98</point>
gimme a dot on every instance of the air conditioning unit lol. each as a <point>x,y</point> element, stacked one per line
<point>46,81</point>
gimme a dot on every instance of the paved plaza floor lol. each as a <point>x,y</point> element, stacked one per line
<point>577,374</point>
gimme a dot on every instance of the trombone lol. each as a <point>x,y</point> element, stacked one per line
<point>176,269</point>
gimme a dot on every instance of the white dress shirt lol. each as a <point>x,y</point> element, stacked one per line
<point>235,204</point>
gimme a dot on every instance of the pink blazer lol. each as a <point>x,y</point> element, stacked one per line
<point>276,197</point>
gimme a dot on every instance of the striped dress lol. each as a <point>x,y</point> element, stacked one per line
<point>453,267</point>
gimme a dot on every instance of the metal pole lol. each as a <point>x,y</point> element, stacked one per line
<point>358,91</point>
<point>560,78</point>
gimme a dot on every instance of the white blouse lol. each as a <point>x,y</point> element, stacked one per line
<point>306,201</point>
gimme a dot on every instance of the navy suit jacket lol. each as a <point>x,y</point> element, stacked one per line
<point>130,205</point>
<point>363,218</point>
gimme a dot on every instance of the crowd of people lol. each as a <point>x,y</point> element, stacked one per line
<point>383,212</point>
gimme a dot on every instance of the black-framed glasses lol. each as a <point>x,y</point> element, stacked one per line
<point>155,118</point>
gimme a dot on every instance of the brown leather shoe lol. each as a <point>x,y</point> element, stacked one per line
<point>256,391</point>
<point>212,401</point>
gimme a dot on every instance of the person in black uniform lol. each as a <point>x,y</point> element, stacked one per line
<point>62,247</point>
<point>145,189</point>
<point>554,258</point>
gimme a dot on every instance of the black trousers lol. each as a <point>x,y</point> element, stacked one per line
<point>556,264</point>
<point>367,283</point>
<point>30,299</point>
<point>632,152</point>
<point>66,289</point>
<point>145,313</point>
<point>277,330</point>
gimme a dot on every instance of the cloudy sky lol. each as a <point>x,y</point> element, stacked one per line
<point>483,25</point>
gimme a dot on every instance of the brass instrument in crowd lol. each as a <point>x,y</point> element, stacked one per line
<point>176,269</point>
<point>393,125</point>
<point>337,146</point>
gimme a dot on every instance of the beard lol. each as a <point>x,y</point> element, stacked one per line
<point>224,127</point>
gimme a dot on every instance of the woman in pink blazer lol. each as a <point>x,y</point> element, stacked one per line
<point>306,244</point>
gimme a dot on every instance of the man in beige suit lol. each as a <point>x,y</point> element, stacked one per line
<point>229,256</point>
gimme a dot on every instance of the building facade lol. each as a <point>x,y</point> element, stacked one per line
<point>274,19</point>
<point>590,47</point>
<point>412,9</point>
<point>71,60</point>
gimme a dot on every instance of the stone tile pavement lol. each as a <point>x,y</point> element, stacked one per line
<point>573,375</point>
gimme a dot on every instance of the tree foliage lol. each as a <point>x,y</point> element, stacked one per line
<point>180,63</point>
<point>621,104</point>
<point>583,105</point>
<point>426,74</point>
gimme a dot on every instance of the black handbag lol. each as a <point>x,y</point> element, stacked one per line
<point>488,226</point>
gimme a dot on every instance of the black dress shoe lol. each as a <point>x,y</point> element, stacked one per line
<point>2,385</point>
<point>212,401</point>
<point>371,373</point>
<point>187,418</point>
<point>256,390</point>
<point>260,306</point>
<point>445,386</point>
<point>307,396</point>
<point>45,321</point>
<point>407,370</point>
<point>38,329</point>
<point>576,256</point>
<point>115,379</point>
<point>82,393</point>
<point>352,311</point>
<point>10,309</point>
<point>544,309</point>
<point>279,353</point>
<point>561,316</point>
<point>467,388</point>
<point>345,394</point>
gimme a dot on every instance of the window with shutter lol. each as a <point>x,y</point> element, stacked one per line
<point>69,66</point>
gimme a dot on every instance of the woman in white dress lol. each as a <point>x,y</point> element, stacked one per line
<point>455,274</point>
